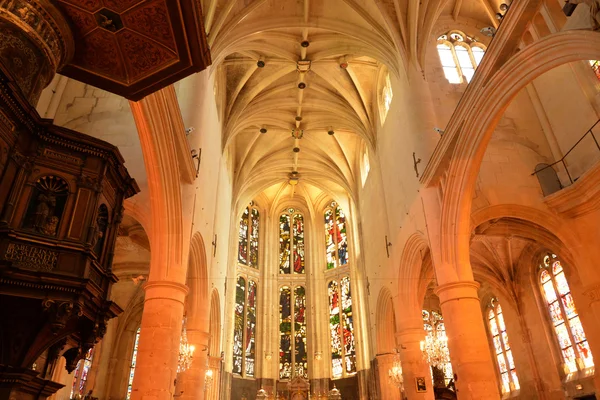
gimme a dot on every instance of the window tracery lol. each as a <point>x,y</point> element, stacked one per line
<point>336,240</point>
<point>81,374</point>
<point>248,237</point>
<point>343,349</point>
<point>291,242</point>
<point>292,332</point>
<point>133,360</point>
<point>569,332</point>
<point>503,352</point>
<point>244,327</point>
<point>460,55</point>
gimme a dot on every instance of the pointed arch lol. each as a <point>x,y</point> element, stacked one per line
<point>197,280</point>
<point>385,323</point>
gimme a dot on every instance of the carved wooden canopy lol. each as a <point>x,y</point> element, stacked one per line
<point>135,47</point>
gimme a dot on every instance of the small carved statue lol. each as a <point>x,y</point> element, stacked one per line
<point>594,11</point>
<point>43,211</point>
<point>51,226</point>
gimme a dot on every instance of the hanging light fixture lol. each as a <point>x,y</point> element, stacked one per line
<point>395,373</point>
<point>208,379</point>
<point>435,345</point>
<point>186,351</point>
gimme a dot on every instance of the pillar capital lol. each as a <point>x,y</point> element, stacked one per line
<point>457,290</point>
<point>165,290</point>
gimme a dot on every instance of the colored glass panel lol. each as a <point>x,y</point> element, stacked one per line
<point>300,355</point>
<point>515,380</point>
<point>348,327</point>
<point>577,330</point>
<point>501,362</point>
<point>329,239</point>
<point>505,340</point>
<point>509,358</point>
<point>586,354</point>
<point>549,292</point>
<point>243,238</point>
<point>81,374</point>
<point>238,325</point>
<point>254,239</point>
<point>464,60</point>
<point>569,357</point>
<point>561,284</point>
<point>133,361</point>
<point>556,313</point>
<point>501,325</point>
<point>595,64</point>
<point>298,247</point>
<point>556,267</point>
<point>342,240</point>
<point>285,333</point>
<point>284,244</point>
<point>504,356</point>
<point>563,336</point>
<point>544,277</point>
<point>494,327</point>
<point>505,383</point>
<point>335,329</point>
<point>497,344</point>
<point>569,305</point>
<point>250,339</point>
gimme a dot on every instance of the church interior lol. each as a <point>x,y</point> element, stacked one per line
<point>299,199</point>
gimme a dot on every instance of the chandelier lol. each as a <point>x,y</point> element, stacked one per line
<point>186,351</point>
<point>435,348</point>
<point>395,373</point>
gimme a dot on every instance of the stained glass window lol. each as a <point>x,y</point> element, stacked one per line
<point>244,328</point>
<point>343,350</point>
<point>81,374</point>
<point>248,237</point>
<point>293,359</point>
<point>571,337</point>
<point>336,240</point>
<point>460,55</point>
<point>595,64</point>
<point>291,242</point>
<point>133,359</point>
<point>503,352</point>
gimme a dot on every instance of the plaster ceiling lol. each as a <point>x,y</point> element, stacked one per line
<point>368,35</point>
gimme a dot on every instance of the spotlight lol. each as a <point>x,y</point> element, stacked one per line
<point>305,43</point>
<point>438,130</point>
<point>503,7</point>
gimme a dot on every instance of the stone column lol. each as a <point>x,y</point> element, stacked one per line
<point>475,378</point>
<point>158,349</point>
<point>413,365</point>
<point>190,384</point>
<point>212,392</point>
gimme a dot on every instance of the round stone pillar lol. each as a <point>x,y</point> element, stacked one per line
<point>413,365</point>
<point>158,349</point>
<point>467,341</point>
<point>35,40</point>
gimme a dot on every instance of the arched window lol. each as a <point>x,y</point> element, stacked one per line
<point>291,242</point>
<point>343,351</point>
<point>366,166</point>
<point>460,55</point>
<point>595,64</point>
<point>292,333</point>
<point>81,374</point>
<point>133,359</point>
<point>244,328</point>
<point>386,97</point>
<point>336,241</point>
<point>248,237</point>
<point>433,323</point>
<point>574,347</point>
<point>504,357</point>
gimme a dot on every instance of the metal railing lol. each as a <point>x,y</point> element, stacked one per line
<point>562,160</point>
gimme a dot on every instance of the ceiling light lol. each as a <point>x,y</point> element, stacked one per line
<point>298,118</point>
<point>305,43</point>
<point>301,85</point>
<point>343,63</point>
<point>296,149</point>
<point>261,62</point>
<point>297,133</point>
<point>263,129</point>
<point>330,132</point>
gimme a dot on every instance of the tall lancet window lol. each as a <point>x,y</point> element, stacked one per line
<point>343,350</point>
<point>248,237</point>
<point>291,242</point>
<point>133,359</point>
<point>460,55</point>
<point>81,375</point>
<point>504,357</point>
<point>244,328</point>
<point>292,333</point>
<point>336,240</point>
<point>573,343</point>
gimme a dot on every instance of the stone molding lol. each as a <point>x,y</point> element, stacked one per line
<point>165,290</point>
<point>457,290</point>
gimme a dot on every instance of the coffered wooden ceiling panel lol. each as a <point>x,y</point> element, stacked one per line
<point>135,47</point>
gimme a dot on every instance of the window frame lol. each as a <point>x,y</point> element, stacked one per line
<point>337,278</point>
<point>247,279</point>
<point>291,213</point>
<point>333,206</point>
<point>547,266</point>
<point>466,42</point>
<point>251,208</point>
<point>492,307</point>
<point>292,286</point>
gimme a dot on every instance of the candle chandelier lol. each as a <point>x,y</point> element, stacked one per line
<point>395,373</point>
<point>435,345</point>
<point>186,351</point>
